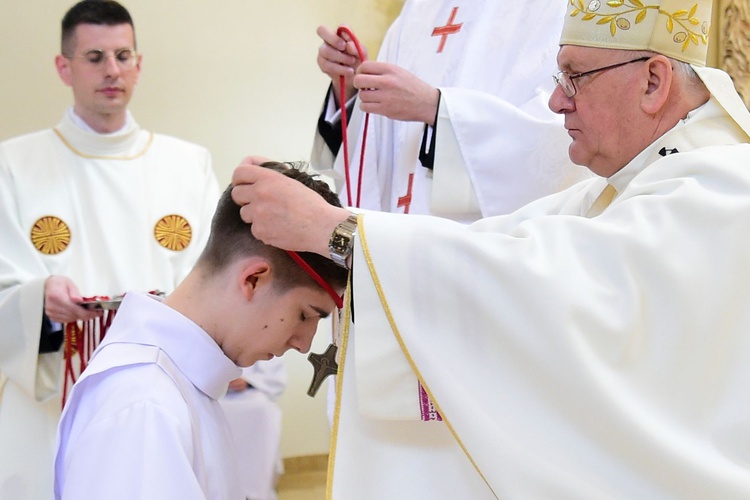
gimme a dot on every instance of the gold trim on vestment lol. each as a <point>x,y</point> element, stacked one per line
<point>602,201</point>
<point>102,157</point>
<point>339,386</point>
<point>392,322</point>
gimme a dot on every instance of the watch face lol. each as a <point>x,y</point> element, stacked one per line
<point>339,242</point>
<point>342,239</point>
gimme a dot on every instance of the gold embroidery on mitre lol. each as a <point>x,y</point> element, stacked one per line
<point>50,235</point>
<point>173,232</point>
<point>683,25</point>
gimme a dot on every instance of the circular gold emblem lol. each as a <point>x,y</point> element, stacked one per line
<point>173,232</point>
<point>50,235</point>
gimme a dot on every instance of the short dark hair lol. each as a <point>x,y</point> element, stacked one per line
<point>107,12</point>
<point>231,238</point>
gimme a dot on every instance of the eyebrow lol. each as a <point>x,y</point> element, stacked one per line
<point>321,312</point>
<point>568,67</point>
<point>102,51</point>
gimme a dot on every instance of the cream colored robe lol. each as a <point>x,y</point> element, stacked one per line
<point>570,357</point>
<point>110,192</point>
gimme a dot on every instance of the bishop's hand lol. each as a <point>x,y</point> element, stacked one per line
<point>284,212</point>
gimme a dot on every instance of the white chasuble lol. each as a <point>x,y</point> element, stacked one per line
<point>118,212</point>
<point>570,357</point>
<point>498,145</point>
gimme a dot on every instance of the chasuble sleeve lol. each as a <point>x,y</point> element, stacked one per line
<point>22,277</point>
<point>497,155</point>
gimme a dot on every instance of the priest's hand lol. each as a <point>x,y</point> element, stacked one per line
<point>284,212</point>
<point>389,90</point>
<point>337,57</point>
<point>61,299</point>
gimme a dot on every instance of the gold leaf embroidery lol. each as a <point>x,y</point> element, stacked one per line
<point>617,20</point>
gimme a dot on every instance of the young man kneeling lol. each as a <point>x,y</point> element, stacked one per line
<point>143,421</point>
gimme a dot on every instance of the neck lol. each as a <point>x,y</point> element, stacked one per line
<point>196,299</point>
<point>103,123</point>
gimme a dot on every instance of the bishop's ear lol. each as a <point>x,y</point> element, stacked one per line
<point>659,82</point>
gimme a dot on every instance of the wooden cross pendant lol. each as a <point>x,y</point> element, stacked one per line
<point>323,366</point>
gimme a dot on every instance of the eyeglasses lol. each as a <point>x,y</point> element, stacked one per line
<point>564,80</point>
<point>125,58</point>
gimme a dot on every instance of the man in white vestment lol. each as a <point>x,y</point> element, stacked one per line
<point>254,417</point>
<point>95,206</point>
<point>594,343</point>
<point>449,75</point>
<point>144,420</point>
<point>447,78</point>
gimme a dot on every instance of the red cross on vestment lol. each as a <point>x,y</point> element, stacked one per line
<point>448,29</point>
<point>405,201</point>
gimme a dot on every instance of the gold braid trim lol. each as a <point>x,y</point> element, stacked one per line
<point>386,308</point>
<point>339,386</point>
<point>101,157</point>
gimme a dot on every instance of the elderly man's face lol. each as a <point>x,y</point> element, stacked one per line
<point>602,117</point>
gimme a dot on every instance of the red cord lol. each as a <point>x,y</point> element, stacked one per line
<point>337,299</point>
<point>344,135</point>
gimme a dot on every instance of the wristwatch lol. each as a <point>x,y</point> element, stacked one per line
<point>342,241</point>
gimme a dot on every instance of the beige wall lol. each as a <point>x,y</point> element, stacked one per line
<point>237,76</point>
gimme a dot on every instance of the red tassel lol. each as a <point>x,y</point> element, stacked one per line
<point>82,338</point>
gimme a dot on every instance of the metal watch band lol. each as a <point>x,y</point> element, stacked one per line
<point>342,241</point>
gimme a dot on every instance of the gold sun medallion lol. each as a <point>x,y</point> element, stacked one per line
<point>50,235</point>
<point>173,232</point>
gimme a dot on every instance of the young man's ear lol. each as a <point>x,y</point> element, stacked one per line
<point>254,273</point>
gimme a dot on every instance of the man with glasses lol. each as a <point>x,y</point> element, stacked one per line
<point>95,206</point>
<point>593,344</point>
